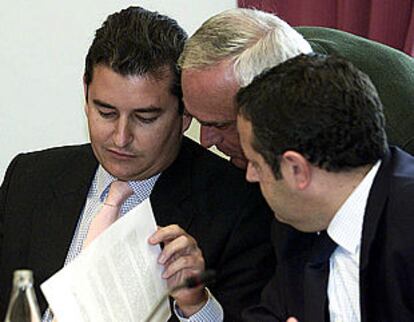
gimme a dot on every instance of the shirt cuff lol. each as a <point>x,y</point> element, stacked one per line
<point>211,311</point>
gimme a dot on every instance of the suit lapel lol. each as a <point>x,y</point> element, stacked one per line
<point>171,196</point>
<point>377,202</point>
<point>57,217</point>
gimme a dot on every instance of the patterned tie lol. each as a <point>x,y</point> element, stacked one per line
<point>316,279</point>
<point>119,191</point>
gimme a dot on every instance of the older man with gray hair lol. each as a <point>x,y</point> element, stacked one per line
<point>234,46</point>
<point>224,54</point>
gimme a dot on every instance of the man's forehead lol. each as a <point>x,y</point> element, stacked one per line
<point>245,128</point>
<point>209,99</point>
<point>210,79</point>
<point>134,93</point>
<point>211,118</point>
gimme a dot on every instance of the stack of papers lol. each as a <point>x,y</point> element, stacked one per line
<point>116,278</point>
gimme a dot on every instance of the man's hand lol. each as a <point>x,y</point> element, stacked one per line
<point>181,258</point>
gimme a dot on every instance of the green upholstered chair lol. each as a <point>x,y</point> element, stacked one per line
<point>391,71</point>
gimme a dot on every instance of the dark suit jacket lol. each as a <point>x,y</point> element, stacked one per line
<point>44,192</point>
<point>391,71</point>
<point>387,255</point>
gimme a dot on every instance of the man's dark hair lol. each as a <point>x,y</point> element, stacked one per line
<point>319,106</point>
<point>138,42</point>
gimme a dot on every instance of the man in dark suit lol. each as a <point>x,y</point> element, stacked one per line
<point>135,117</point>
<point>313,131</point>
<point>232,47</point>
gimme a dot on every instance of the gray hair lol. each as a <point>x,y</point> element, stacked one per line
<point>252,39</point>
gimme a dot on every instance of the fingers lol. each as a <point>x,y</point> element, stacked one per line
<point>181,246</point>
<point>192,264</point>
<point>164,234</point>
<point>180,257</point>
<point>176,243</point>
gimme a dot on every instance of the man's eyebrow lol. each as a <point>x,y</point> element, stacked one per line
<point>149,109</point>
<point>218,123</point>
<point>103,104</point>
<point>209,123</point>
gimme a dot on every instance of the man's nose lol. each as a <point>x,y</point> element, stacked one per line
<point>251,173</point>
<point>210,136</point>
<point>123,134</point>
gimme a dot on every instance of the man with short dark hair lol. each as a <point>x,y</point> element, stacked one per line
<point>209,216</point>
<point>313,132</point>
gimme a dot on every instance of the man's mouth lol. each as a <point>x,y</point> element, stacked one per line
<point>121,154</point>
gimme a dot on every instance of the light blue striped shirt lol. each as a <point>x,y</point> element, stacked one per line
<point>211,312</point>
<point>97,194</point>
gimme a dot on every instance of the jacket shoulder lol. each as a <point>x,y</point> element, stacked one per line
<point>49,163</point>
<point>209,165</point>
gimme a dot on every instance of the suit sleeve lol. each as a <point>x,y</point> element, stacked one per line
<point>270,307</point>
<point>283,296</point>
<point>4,189</point>
<point>3,199</point>
<point>247,261</point>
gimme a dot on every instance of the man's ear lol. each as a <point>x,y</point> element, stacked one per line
<point>296,170</point>
<point>187,118</point>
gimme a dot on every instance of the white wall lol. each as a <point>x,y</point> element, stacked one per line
<point>43,44</point>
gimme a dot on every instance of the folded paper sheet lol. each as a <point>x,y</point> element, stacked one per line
<point>117,278</point>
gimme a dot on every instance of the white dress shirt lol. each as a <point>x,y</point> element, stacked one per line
<point>346,230</point>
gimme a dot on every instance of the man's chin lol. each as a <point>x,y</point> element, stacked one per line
<point>240,163</point>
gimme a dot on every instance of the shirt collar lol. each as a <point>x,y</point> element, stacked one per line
<point>104,180</point>
<point>346,226</point>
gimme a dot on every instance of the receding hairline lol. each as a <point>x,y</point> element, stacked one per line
<point>195,54</point>
<point>251,39</point>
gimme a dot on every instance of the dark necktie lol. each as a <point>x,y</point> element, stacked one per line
<point>316,279</point>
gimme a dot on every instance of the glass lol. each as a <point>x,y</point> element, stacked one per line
<point>23,306</point>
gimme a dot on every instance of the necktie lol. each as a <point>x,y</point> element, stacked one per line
<point>119,191</point>
<point>316,279</point>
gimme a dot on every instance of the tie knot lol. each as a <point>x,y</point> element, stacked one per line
<point>119,191</point>
<point>323,248</point>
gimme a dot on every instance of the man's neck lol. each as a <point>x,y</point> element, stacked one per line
<point>326,192</point>
<point>339,186</point>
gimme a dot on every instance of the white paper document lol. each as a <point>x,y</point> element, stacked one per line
<point>117,278</point>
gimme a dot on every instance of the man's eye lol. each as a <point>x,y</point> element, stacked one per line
<point>106,114</point>
<point>147,120</point>
<point>221,126</point>
<point>224,126</point>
